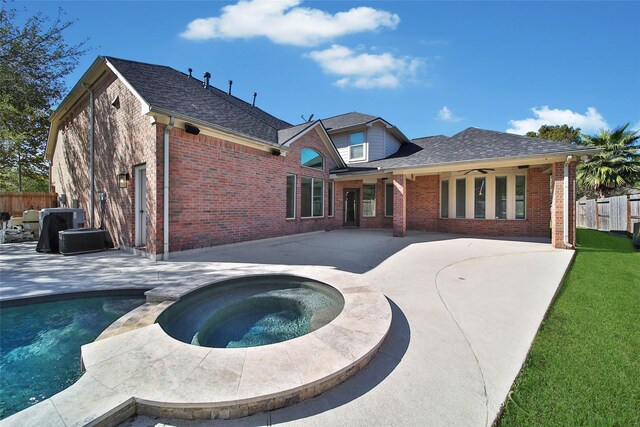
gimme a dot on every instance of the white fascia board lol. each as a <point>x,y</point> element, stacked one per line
<point>145,107</point>
<point>162,116</point>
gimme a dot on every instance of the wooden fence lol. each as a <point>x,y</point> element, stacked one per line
<point>609,214</point>
<point>17,203</point>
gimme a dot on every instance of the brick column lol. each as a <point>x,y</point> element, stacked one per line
<point>558,204</point>
<point>399,205</point>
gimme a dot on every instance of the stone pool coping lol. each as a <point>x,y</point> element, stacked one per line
<point>135,367</point>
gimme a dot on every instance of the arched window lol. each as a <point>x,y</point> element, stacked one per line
<point>311,159</point>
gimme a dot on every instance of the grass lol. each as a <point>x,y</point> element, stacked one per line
<point>584,365</point>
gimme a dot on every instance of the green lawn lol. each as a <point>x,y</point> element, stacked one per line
<point>584,365</point>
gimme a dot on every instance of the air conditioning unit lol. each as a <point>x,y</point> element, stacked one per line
<point>81,240</point>
<point>636,235</point>
<point>54,220</point>
<point>77,215</point>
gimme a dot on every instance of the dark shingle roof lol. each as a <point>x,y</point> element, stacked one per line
<point>173,91</point>
<point>471,144</point>
<point>285,135</point>
<point>347,120</point>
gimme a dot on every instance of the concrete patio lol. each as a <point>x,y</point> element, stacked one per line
<point>465,311</point>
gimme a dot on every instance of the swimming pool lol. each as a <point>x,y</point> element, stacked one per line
<point>40,345</point>
<point>252,311</point>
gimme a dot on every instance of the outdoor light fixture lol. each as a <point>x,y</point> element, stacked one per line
<point>189,128</point>
<point>123,180</point>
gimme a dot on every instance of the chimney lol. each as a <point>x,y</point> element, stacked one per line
<point>190,71</point>
<point>254,99</point>
<point>230,84</point>
<point>207,76</point>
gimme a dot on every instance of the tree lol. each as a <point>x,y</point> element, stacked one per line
<point>34,60</point>
<point>559,133</point>
<point>617,166</point>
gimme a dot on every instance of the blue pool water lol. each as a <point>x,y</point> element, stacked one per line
<point>40,345</point>
<point>252,311</point>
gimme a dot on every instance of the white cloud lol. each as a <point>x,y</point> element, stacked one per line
<point>366,70</point>
<point>446,115</point>
<point>285,22</point>
<point>590,122</point>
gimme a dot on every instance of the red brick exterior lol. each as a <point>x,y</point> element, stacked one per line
<point>536,224</point>
<point>123,137</point>
<point>399,205</point>
<point>223,192</point>
<point>558,203</point>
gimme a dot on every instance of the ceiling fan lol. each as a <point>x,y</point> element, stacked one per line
<point>483,171</point>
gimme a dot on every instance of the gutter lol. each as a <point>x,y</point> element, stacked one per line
<point>565,213</point>
<point>165,179</point>
<point>92,190</point>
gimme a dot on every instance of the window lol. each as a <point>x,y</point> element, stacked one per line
<point>369,200</point>
<point>356,138</point>
<point>501,197</point>
<point>479,198</point>
<point>444,199</point>
<point>291,196</point>
<point>356,146</point>
<point>388,199</point>
<point>331,199</point>
<point>461,197</point>
<point>311,197</point>
<point>311,159</point>
<point>521,185</point>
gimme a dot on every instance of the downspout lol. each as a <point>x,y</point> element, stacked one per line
<point>565,215</point>
<point>165,179</point>
<point>91,152</point>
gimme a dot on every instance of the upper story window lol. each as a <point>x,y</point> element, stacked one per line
<point>311,159</point>
<point>357,146</point>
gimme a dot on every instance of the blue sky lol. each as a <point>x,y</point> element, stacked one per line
<point>427,67</point>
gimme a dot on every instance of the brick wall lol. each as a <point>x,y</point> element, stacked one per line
<point>423,203</point>
<point>558,203</point>
<point>123,138</point>
<point>423,210</point>
<point>222,192</point>
<point>379,220</point>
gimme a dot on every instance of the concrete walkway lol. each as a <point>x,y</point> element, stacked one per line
<point>465,312</point>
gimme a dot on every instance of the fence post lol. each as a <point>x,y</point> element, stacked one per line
<point>629,224</point>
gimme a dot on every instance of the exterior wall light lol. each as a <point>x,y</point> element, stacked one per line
<point>123,180</point>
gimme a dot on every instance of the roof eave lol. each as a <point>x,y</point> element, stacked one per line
<point>541,158</point>
<point>214,127</point>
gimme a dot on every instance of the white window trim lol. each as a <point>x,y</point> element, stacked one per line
<point>388,184</point>
<point>322,199</point>
<point>365,153</point>
<point>295,194</point>
<point>490,202</point>
<point>332,203</point>
<point>375,200</point>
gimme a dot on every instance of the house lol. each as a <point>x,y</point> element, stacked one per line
<point>180,165</point>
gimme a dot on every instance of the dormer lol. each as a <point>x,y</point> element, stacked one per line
<point>363,138</point>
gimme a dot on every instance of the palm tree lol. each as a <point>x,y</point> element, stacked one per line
<point>617,165</point>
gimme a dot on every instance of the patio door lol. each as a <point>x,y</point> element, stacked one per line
<point>140,202</point>
<point>351,204</point>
